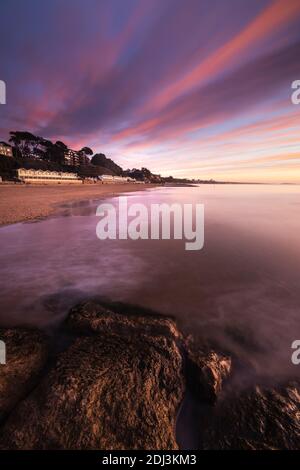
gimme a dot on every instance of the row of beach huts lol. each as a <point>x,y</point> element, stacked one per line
<point>32,176</point>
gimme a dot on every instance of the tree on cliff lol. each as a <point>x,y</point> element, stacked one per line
<point>29,145</point>
<point>22,141</point>
<point>57,152</point>
<point>84,153</point>
<point>61,145</point>
<point>99,159</point>
<point>87,151</point>
<point>141,175</point>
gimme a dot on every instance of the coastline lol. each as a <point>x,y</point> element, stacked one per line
<point>30,202</point>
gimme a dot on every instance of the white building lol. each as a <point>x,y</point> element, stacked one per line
<point>116,179</point>
<point>47,177</point>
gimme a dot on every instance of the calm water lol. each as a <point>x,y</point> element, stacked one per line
<point>241,290</point>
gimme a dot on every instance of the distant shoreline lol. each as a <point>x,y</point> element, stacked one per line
<point>21,203</point>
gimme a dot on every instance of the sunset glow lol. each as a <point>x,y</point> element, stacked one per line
<point>198,89</point>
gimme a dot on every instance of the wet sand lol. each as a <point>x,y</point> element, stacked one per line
<point>27,202</point>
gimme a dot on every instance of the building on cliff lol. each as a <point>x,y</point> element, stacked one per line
<point>74,158</point>
<point>5,150</point>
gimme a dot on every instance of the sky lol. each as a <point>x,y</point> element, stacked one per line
<point>189,88</point>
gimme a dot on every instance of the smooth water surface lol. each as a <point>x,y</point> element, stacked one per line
<point>240,291</point>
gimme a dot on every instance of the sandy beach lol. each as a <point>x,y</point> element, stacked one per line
<point>27,202</point>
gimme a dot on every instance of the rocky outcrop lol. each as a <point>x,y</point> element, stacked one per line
<point>119,388</point>
<point>207,370</point>
<point>91,317</point>
<point>26,353</point>
<point>260,418</point>
<point>119,385</point>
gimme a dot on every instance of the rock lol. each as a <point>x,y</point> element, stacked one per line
<point>206,370</point>
<point>26,354</point>
<point>91,317</point>
<point>119,385</point>
<point>119,388</point>
<point>259,418</point>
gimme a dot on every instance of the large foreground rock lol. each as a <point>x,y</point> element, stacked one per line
<point>26,353</point>
<point>119,388</point>
<point>259,418</point>
<point>119,385</point>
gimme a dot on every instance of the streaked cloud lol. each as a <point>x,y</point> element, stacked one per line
<point>187,88</point>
